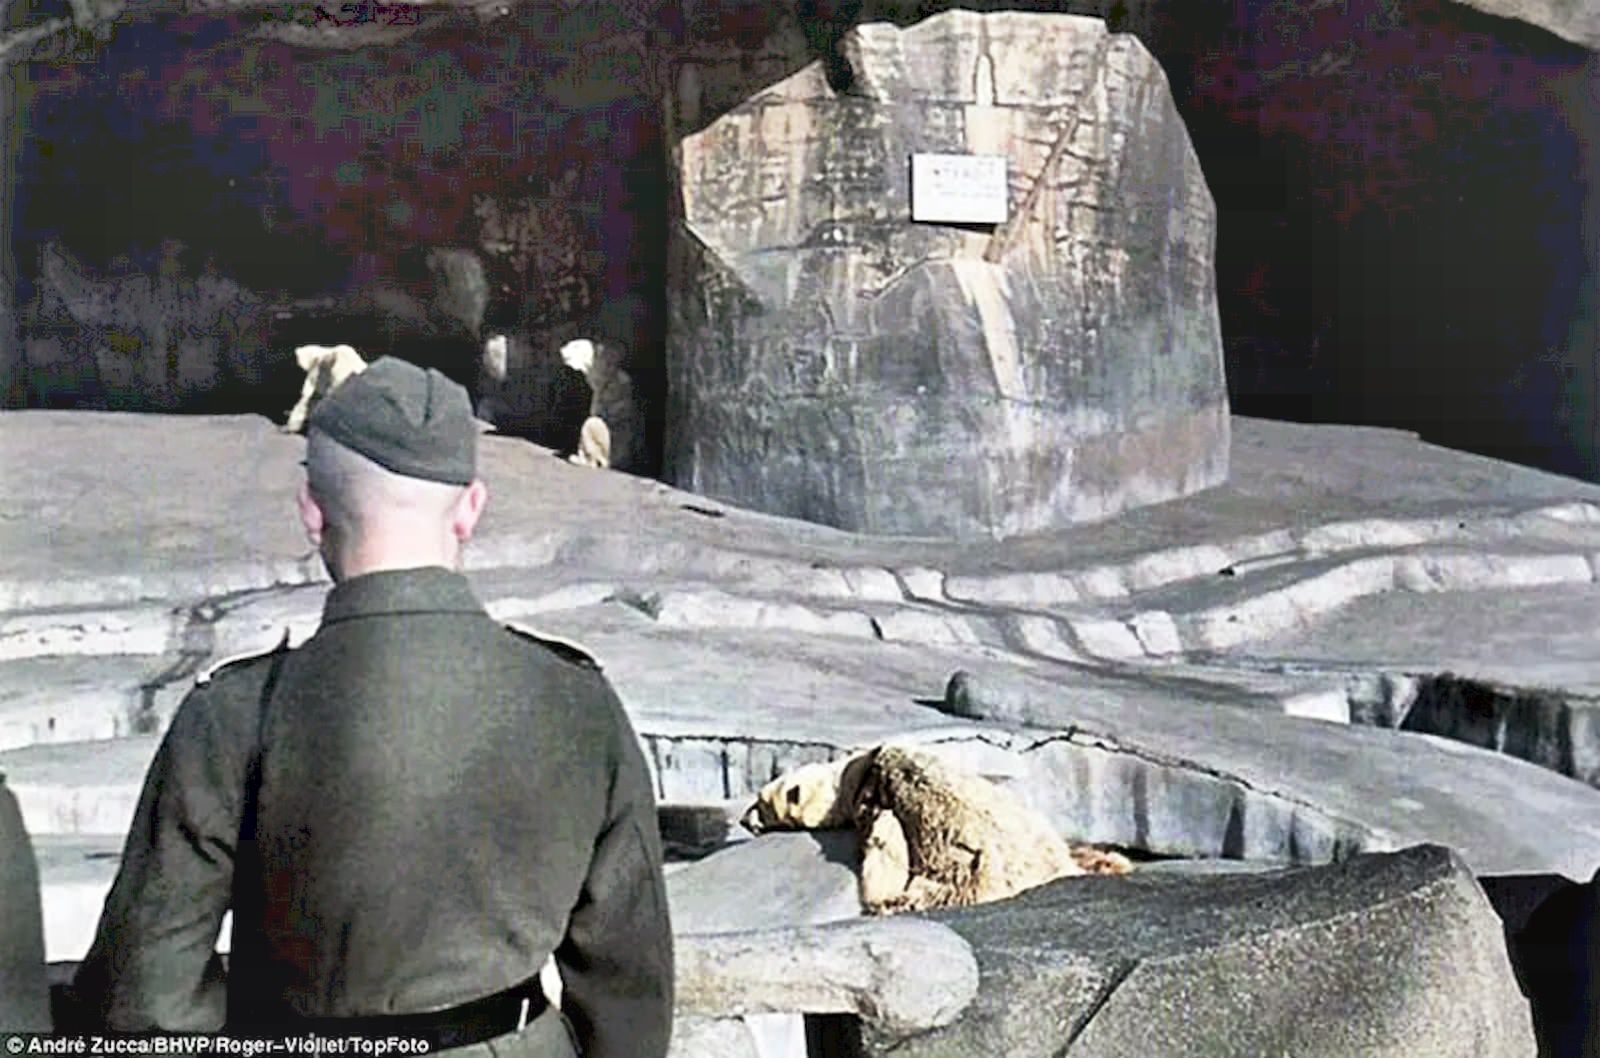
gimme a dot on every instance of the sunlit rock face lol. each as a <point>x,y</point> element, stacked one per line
<point>1572,20</point>
<point>832,360</point>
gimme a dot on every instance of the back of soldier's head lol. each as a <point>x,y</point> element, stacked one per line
<point>394,442</point>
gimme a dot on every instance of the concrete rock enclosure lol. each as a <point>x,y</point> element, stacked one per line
<point>830,360</point>
<point>1335,655</point>
<point>743,645</point>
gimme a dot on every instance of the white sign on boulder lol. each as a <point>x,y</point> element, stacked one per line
<point>958,188</point>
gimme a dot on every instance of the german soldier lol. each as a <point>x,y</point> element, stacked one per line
<point>408,813</point>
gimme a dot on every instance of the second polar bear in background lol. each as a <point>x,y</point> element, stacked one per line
<point>932,834</point>
<point>613,434</point>
<point>326,368</point>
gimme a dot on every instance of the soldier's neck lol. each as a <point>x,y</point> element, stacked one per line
<point>377,557</point>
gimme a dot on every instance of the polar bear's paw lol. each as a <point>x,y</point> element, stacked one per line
<point>1101,861</point>
<point>885,864</point>
<point>594,444</point>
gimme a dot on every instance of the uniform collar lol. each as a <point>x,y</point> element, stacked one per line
<point>427,589</point>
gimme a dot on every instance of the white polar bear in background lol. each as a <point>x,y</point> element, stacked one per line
<point>493,369</point>
<point>326,368</point>
<point>496,351</point>
<point>613,434</point>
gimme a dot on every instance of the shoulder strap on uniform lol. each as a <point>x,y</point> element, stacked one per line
<point>565,649</point>
<point>239,659</point>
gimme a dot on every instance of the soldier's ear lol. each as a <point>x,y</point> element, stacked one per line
<point>469,508</point>
<point>310,514</point>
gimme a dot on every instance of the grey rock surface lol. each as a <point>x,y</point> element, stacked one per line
<point>900,974</point>
<point>775,880</point>
<point>1217,781</point>
<point>1556,729</point>
<point>1381,955</point>
<point>707,1037</point>
<point>830,360</point>
<point>790,642</point>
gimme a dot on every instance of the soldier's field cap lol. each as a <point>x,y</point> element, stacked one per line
<point>408,420</point>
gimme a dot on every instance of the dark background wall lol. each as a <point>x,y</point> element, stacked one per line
<point>317,180</point>
<point>1404,197</point>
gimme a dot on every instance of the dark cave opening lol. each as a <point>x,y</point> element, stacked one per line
<point>192,201</point>
<point>1401,236</point>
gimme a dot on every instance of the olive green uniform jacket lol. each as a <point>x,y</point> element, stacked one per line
<point>24,993</point>
<point>442,804</point>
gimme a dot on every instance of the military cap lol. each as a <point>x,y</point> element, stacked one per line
<point>408,420</point>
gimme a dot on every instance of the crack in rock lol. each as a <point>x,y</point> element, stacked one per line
<point>1078,734</point>
<point>1118,976</point>
<point>196,644</point>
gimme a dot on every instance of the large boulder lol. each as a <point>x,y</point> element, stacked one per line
<point>1387,954</point>
<point>830,359</point>
<point>776,881</point>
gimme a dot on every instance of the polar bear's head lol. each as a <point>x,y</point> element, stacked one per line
<point>578,354</point>
<point>341,360</point>
<point>811,797</point>
<point>309,356</point>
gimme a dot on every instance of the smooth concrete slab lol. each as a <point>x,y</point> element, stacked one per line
<point>1224,775</point>
<point>79,788</point>
<point>75,876</point>
<point>1113,760</point>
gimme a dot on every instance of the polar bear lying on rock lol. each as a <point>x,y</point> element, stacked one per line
<point>326,368</point>
<point>932,835</point>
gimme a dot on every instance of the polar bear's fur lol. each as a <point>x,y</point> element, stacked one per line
<point>932,835</point>
<point>326,367</point>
